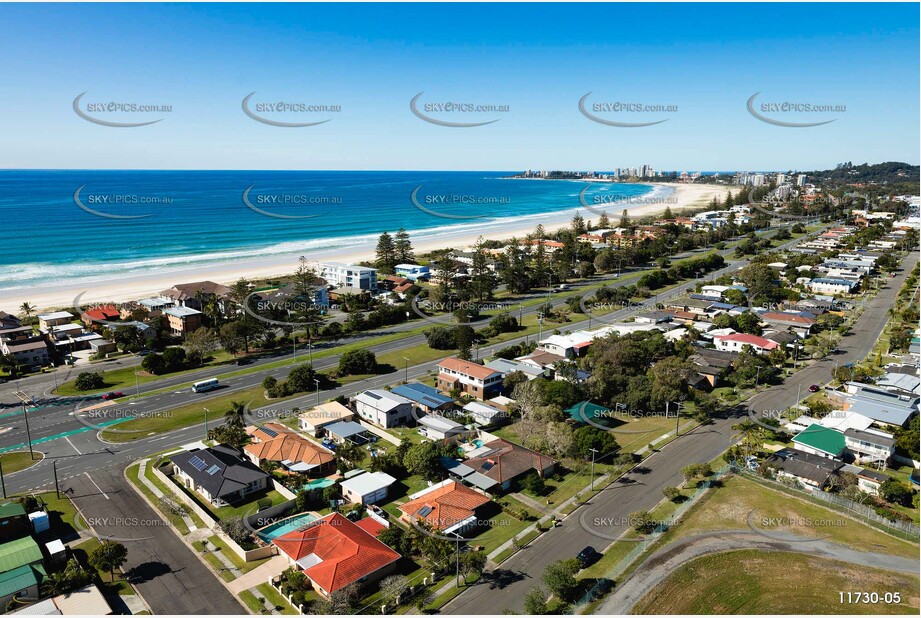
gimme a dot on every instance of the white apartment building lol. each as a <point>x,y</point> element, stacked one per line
<point>342,275</point>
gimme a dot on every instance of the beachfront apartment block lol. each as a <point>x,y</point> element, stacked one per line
<point>341,275</point>
<point>57,318</point>
<point>182,320</point>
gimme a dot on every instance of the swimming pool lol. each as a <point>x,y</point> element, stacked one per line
<point>318,484</point>
<point>284,526</point>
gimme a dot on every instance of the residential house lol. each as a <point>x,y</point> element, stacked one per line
<point>315,419</point>
<point>504,461</point>
<point>869,445</point>
<point>799,324</point>
<point>413,272</point>
<point>220,474</point>
<point>21,570</point>
<point>183,320</point>
<point>879,404</point>
<point>342,275</point>
<point>475,380</point>
<point>486,414</point>
<point>437,427</point>
<point>821,441</point>
<point>367,487</point>
<point>383,408</point>
<point>810,471</point>
<point>713,365</point>
<point>541,359</point>
<point>449,507</point>
<point>341,432</point>
<point>736,342</point>
<point>99,314</point>
<point>292,451</point>
<point>199,295</point>
<point>14,523</point>
<point>824,285</point>
<point>424,397</point>
<point>334,553</point>
<point>509,366</point>
<point>870,480</point>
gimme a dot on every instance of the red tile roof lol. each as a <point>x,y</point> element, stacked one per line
<point>467,368</point>
<point>447,505</point>
<point>371,526</point>
<point>102,312</point>
<point>347,552</point>
<point>777,316</point>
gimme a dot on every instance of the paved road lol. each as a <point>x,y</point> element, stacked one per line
<point>606,517</point>
<point>662,563</point>
<point>169,577</point>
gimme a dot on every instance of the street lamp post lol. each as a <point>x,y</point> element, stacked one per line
<point>206,422</point>
<point>592,484</point>
<point>405,369</point>
<point>294,338</point>
<point>540,326</point>
<point>317,382</point>
<point>25,415</point>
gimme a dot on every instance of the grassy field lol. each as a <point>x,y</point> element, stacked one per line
<point>728,508</point>
<point>751,582</point>
<point>18,460</point>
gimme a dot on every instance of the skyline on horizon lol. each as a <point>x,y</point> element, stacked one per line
<point>702,64</point>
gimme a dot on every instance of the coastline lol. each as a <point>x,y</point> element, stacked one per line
<point>149,284</point>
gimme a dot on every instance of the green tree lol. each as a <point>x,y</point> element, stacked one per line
<point>108,556</point>
<point>535,602</point>
<point>357,362</point>
<point>89,380</point>
<point>560,578</point>
<point>403,248</point>
<point>386,253</point>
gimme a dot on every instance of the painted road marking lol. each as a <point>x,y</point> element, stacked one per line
<point>97,486</point>
<point>72,445</point>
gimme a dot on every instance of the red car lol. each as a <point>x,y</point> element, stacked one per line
<point>815,388</point>
<point>113,395</point>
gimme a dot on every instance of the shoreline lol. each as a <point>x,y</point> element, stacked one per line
<point>134,287</point>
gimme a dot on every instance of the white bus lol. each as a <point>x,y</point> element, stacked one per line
<point>205,385</point>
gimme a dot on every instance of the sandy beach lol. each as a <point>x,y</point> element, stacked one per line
<point>141,286</point>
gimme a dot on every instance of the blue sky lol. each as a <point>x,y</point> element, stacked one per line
<point>538,59</point>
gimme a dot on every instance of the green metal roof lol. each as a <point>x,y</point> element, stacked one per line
<point>18,579</point>
<point>822,439</point>
<point>11,509</point>
<point>20,552</point>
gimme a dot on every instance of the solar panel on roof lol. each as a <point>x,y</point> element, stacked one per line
<point>270,432</point>
<point>212,470</point>
<point>425,510</point>
<point>197,462</point>
<point>372,395</point>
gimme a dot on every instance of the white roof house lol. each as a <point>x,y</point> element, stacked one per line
<point>367,488</point>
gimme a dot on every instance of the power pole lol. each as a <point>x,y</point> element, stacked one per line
<point>57,488</point>
<point>2,480</point>
<point>25,415</point>
<point>206,422</point>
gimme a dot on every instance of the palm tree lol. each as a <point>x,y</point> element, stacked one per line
<point>27,308</point>
<point>752,435</point>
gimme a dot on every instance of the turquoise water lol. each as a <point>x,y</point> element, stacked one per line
<point>318,484</point>
<point>478,443</point>
<point>198,218</point>
<point>285,526</point>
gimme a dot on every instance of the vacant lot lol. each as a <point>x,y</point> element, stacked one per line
<point>740,502</point>
<point>752,582</point>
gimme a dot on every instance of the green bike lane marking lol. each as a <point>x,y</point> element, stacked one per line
<point>65,434</point>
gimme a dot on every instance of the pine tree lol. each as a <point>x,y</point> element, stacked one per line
<point>404,248</point>
<point>603,221</point>
<point>483,282</point>
<point>624,219</point>
<point>386,253</point>
<point>668,213</point>
<point>578,224</point>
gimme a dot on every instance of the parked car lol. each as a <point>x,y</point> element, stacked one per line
<point>588,556</point>
<point>113,395</point>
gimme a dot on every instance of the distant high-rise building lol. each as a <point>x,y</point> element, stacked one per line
<point>757,180</point>
<point>801,180</point>
<point>781,178</point>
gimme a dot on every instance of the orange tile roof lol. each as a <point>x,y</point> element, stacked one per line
<point>448,504</point>
<point>286,445</point>
<point>467,368</point>
<point>346,551</point>
<point>371,526</point>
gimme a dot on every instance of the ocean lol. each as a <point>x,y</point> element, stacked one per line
<point>78,226</point>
